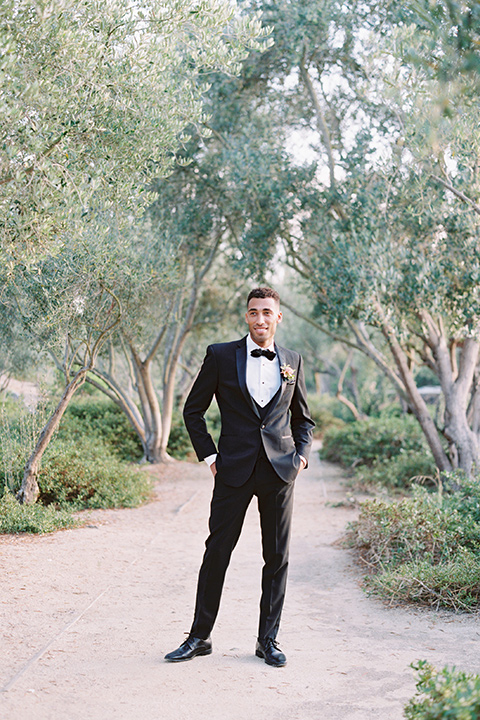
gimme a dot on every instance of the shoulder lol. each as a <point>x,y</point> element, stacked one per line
<point>227,348</point>
<point>291,356</point>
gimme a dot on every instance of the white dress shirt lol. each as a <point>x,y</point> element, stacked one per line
<point>263,375</point>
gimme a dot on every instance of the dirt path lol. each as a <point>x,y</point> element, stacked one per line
<point>87,615</point>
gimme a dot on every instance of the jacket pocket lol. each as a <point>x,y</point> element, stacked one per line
<point>286,443</point>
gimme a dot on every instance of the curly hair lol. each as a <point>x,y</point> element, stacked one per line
<point>263,292</point>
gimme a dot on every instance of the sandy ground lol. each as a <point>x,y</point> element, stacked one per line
<point>87,615</point>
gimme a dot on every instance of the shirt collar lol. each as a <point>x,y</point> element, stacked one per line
<point>251,345</point>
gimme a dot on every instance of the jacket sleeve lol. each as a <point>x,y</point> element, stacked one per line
<point>301,423</point>
<point>198,402</point>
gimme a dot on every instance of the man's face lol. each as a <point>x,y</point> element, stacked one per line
<point>263,316</point>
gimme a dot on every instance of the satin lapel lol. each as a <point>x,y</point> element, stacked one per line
<point>242,375</point>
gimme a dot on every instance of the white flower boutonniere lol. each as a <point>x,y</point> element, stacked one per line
<point>288,374</point>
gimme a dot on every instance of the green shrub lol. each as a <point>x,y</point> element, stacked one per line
<point>179,445</point>
<point>417,528</point>
<point>214,420</point>
<point>16,518</point>
<point>330,405</point>
<point>444,695</point>
<point>366,442</point>
<point>99,417</point>
<point>398,471</point>
<point>327,412</point>
<point>85,474</point>
<point>454,584</point>
<point>463,494</point>
<point>424,549</point>
<point>19,431</point>
<point>83,466</point>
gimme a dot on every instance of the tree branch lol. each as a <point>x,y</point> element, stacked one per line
<point>340,396</point>
<point>321,122</point>
<point>456,192</point>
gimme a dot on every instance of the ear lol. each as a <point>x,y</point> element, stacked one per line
<point>280,317</point>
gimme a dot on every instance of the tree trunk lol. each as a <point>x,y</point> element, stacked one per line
<point>29,489</point>
<point>457,392</point>
<point>167,415</point>
<point>152,417</point>
<point>417,403</point>
<point>357,414</point>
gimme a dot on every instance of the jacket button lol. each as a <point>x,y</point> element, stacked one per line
<point>263,427</point>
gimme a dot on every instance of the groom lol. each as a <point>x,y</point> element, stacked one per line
<point>265,441</point>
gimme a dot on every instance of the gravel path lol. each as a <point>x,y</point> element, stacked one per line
<point>87,615</point>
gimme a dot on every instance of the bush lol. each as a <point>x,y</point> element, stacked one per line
<point>88,416</point>
<point>389,451</point>
<point>179,445</point>
<point>82,467</point>
<point>327,413</point>
<point>101,418</point>
<point>366,442</point>
<point>454,584</point>
<point>19,431</point>
<point>446,694</point>
<point>399,471</point>
<point>424,549</point>
<point>85,474</point>
<point>422,527</point>
<point>16,518</point>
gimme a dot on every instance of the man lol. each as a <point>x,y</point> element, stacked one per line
<point>265,439</point>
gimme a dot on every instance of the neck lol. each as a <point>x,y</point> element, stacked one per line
<point>264,343</point>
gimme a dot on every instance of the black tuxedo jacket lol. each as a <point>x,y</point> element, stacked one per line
<point>285,431</point>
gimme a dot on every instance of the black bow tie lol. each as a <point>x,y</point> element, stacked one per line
<point>269,354</point>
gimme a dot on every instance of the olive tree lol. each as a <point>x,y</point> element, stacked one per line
<point>69,306</point>
<point>218,213</point>
<point>94,101</point>
<point>392,253</point>
<point>386,235</point>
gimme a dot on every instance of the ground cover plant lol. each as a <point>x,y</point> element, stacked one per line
<point>442,694</point>
<point>386,450</point>
<point>327,413</point>
<point>16,518</point>
<point>91,415</point>
<point>425,548</point>
<point>88,465</point>
<point>80,474</point>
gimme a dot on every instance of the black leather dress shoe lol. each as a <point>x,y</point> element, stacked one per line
<point>189,649</point>
<point>268,650</point>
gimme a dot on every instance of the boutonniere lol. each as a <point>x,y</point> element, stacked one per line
<point>288,374</point>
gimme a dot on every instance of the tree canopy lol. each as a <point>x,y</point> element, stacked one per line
<point>95,98</point>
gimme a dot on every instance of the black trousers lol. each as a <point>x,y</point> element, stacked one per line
<point>227,513</point>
